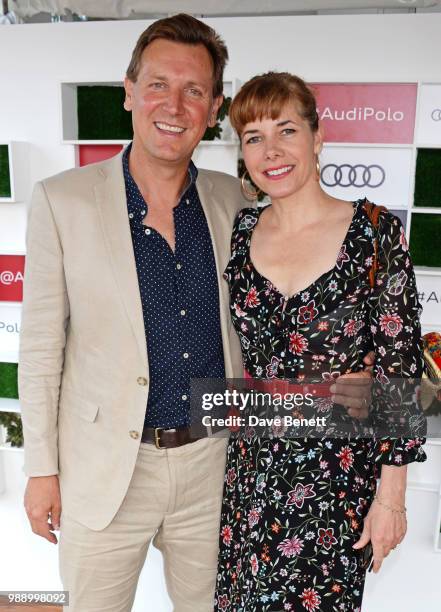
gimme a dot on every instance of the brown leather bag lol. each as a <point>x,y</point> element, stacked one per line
<point>373,212</point>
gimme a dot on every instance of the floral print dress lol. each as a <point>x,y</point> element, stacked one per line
<point>293,508</point>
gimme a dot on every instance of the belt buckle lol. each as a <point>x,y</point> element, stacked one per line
<point>157,439</point>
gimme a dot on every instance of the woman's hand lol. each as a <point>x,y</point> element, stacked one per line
<point>385,524</point>
<point>385,529</point>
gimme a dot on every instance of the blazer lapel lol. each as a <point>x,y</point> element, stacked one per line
<point>112,205</point>
<point>219,225</point>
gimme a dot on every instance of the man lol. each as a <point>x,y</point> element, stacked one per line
<point>124,303</point>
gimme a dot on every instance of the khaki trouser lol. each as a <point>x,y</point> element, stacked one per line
<point>174,498</point>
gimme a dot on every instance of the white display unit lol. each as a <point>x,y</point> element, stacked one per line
<point>219,154</point>
<point>401,161</point>
<point>10,320</point>
<point>69,111</point>
<point>428,136</point>
<point>18,163</point>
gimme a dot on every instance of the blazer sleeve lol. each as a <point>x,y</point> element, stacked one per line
<point>396,333</point>
<point>45,317</point>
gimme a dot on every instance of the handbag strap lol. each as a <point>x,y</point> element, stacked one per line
<point>373,212</point>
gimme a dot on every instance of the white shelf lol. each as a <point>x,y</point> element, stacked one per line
<point>430,210</point>
<point>8,356</point>
<point>431,327</point>
<point>13,449</point>
<point>427,487</point>
<point>219,143</point>
<point>96,142</point>
<point>433,442</point>
<point>366,145</point>
<point>9,405</point>
<point>425,271</point>
<point>12,252</point>
<point>18,171</point>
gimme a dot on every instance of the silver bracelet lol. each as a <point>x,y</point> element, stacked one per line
<point>391,508</point>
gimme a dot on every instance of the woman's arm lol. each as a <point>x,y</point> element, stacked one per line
<point>396,335</point>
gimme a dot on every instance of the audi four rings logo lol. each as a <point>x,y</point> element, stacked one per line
<point>436,114</point>
<point>358,175</point>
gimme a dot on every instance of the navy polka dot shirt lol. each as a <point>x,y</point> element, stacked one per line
<point>180,303</point>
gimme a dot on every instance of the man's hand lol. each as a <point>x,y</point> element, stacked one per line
<point>354,390</point>
<point>42,502</point>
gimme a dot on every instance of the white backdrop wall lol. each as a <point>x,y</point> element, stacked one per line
<point>36,58</point>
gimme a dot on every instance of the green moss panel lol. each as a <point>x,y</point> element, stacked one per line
<point>101,115</point>
<point>425,232</point>
<point>428,178</point>
<point>8,380</point>
<point>5,181</point>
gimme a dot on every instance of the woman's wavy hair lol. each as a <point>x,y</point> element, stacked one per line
<point>265,95</point>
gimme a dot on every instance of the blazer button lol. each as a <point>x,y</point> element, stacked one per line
<point>141,381</point>
<point>134,434</point>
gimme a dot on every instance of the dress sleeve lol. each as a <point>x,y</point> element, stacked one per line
<point>396,334</point>
<point>243,223</point>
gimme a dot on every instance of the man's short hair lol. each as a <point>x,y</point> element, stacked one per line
<point>185,29</point>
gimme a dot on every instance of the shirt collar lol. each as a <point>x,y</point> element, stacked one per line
<point>131,186</point>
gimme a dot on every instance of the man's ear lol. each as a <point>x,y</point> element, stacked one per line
<point>217,103</point>
<point>128,86</point>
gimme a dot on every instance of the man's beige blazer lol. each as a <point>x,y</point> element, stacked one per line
<point>83,366</point>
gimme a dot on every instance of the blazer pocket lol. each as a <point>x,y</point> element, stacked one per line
<point>83,408</point>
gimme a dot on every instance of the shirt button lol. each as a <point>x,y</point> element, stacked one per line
<point>187,201</point>
<point>183,313</point>
<point>186,355</point>
<point>134,434</point>
<point>141,381</point>
<point>142,212</point>
<point>148,232</point>
<point>130,215</point>
<point>185,397</point>
<point>178,266</point>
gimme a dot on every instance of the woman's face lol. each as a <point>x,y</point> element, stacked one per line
<point>280,154</point>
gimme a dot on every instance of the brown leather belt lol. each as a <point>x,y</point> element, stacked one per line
<point>167,438</point>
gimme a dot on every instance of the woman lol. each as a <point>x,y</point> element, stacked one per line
<point>297,513</point>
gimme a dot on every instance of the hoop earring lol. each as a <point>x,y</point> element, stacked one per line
<point>317,167</point>
<point>249,195</point>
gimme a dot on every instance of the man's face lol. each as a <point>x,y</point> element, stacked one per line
<point>172,100</point>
